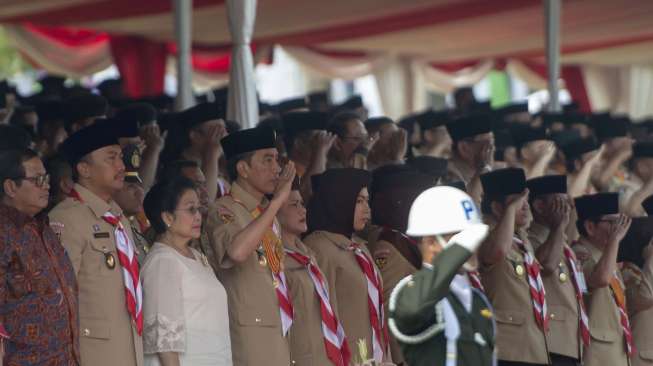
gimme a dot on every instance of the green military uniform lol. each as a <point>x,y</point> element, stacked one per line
<point>420,317</point>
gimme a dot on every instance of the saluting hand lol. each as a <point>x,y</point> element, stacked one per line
<point>284,184</point>
<point>619,228</point>
<point>153,137</point>
<point>214,134</point>
<point>324,141</point>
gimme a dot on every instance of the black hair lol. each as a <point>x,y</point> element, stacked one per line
<point>11,165</point>
<point>231,164</point>
<point>338,124</point>
<point>86,159</point>
<point>14,138</point>
<point>570,165</point>
<point>164,197</point>
<point>580,225</point>
<point>174,168</point>
<point>58,168</point>
<point>232,126</point>
<point>486,203</point>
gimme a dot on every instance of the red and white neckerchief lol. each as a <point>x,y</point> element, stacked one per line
<point>129,263</point>
<point>127,256</point>
<point>374,301</point>
<point>620,299</point>
<point>536,287</point>
<point>286,310</point>
<point>475,280</point>
<point>335,341</point>
<point>578,282</point>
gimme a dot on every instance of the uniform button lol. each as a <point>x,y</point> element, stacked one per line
<point>258,320</point>
<point>553,316</point>
<point>510,318</point>
<point>87,332</point>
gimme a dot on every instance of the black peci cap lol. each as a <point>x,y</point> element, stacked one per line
<point>196,115</point>
<point>432,119</point>
<point>643,150</point>
<point>248,140</point>
<point>596,205</point>
<point>87,140</point>
<point>637,238</point>
<point>469,126</point>
<point>296,122</point>
<point>575,150</point>
<point>503,182</point>
<point>548,184</point>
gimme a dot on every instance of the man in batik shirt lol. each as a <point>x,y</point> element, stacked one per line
<point>38,291</point>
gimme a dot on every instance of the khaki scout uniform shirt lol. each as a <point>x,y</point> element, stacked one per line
<point>108,335</point>
<point>347,285</point>
<point>519,338</point>
<point>394,267</point>
<point>560,300</point>
<point>306,337</point>
<point>607,346</point>
<point>639,294</point>
<point>254,319</point>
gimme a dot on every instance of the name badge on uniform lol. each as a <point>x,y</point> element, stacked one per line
<point>104,235</point>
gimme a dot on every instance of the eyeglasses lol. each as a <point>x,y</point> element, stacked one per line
<point>39,180</point>
<point>191,210</point>
<point>357,138</point>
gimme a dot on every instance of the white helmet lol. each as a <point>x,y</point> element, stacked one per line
<point>442,210</point>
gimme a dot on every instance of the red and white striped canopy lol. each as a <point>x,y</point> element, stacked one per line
<point>603,32</point>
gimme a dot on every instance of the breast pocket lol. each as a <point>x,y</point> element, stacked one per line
<point>101,259</point>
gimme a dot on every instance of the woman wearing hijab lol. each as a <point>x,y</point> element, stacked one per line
<point>338,208</point>
<point>393,190</point>
<point>316,336</point>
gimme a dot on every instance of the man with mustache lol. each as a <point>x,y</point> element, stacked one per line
<point>98,239</point>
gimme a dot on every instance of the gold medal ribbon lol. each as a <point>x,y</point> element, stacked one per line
<point>272,246</point>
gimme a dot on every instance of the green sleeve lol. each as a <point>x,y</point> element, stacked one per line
<point>416,301</point>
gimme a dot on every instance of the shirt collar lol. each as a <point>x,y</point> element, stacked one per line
<point>595,252</point>
<point>96,204</point>
<point>339,240</point>
<point>240,194</point>
<point>20,219</point>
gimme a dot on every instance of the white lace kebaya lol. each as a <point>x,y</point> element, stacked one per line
<point>185,310</point>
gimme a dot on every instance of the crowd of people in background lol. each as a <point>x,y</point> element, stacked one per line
<point>132,234</point>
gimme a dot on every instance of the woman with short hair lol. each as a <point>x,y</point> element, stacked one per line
<point>185,306</point>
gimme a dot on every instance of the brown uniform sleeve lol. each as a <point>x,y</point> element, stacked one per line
<point>71,238</point>
<point>221,227</point>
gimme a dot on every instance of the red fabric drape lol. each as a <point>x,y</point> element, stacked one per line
<point>141,63</point>
<point>573,77</point>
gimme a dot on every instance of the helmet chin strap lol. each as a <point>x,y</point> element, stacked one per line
<point>441,241</point>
